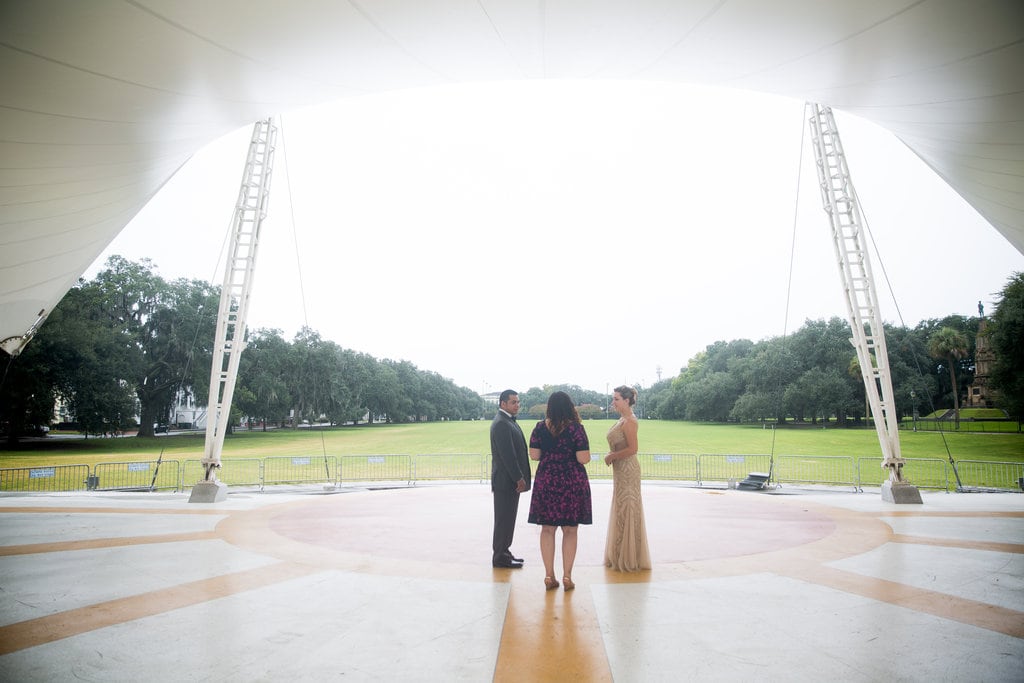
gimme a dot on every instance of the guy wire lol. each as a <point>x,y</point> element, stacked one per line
<point>792,258</point>
<point>903,325</point>
<point>298,267</point>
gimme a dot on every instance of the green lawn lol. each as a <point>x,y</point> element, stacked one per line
<point>472,437</point>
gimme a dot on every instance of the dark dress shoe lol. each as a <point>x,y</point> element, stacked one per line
<point>518,559</point>
<point>507,565</point>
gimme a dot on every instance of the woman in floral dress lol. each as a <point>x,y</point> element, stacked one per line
<point>561,488</point>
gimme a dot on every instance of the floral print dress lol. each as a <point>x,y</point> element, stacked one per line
<point>561,488</point>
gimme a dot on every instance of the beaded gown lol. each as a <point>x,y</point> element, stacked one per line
<point>626,548</point>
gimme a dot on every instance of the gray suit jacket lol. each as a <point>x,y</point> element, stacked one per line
<point>510,459</point>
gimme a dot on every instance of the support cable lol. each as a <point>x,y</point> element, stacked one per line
<point>298,265</point>
<point>789,277</point>
<point>202,313</point>
<point>796,212</point>
<point>903,325</point>
<point>291,214</point>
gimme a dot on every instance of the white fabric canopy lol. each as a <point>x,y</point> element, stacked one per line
<point>102,101</point>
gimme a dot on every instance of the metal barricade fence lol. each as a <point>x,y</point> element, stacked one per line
<point>47,479</point>
<point>149,475</point>
<point>713,467</point>
<point>834,470</point>
<point>596,469</point>
<point>667,466</point>
<point>966,426</point>
<point>674,466</point>
<point>924,473</point>
<point>991,475</point>
<point>670,466</point>
<point>232,471</point>
<point>374,468</point>
<point>299,469</point>
<point>427,467</point>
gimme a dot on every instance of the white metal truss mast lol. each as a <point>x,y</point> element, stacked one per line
<point>851,250</point>
<point>250,211</point>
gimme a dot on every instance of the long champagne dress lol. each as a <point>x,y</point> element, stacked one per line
<point>626,548</point>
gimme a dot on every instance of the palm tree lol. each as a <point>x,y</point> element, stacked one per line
<point>949,345</point>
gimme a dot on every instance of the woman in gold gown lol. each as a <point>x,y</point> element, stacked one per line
<point>626,548</point>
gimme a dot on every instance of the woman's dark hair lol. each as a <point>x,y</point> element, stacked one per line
<point>628,393</point>
<point>560,412</point>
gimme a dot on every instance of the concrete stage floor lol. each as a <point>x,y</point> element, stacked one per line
<point>359,584</point>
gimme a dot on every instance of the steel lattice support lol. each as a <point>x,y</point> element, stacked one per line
<point>250,211</point>
<point>851,250</point>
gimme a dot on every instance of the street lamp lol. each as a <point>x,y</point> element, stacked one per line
<point>913,399</point>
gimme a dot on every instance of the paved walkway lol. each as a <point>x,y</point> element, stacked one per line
<point>397,585</point>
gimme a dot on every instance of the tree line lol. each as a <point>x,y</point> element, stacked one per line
<point>814,375</point>
<point>313,379</point>
<point>126,347</point>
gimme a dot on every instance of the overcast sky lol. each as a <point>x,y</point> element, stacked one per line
<point>515,235</point>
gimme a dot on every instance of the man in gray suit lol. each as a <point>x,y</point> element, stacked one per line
<point>510,476</point>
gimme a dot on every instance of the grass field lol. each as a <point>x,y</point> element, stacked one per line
<point>472,437</point>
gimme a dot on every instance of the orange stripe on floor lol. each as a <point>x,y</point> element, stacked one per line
<point>963,610</point>
<point>550,635</point>
<point>995,514</point>
<point>56,627</point>
<point>95,543</point>
<point>960,543</point>
<point>114,511</point>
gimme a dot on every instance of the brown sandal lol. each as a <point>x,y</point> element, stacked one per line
<point>550,583</point>
<point>569,585</point>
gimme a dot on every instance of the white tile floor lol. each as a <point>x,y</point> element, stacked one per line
<point>204,607</point>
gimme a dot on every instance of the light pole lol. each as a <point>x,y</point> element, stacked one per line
<point>913,399</point>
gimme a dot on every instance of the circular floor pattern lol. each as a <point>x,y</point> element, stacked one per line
<point>451,526</point>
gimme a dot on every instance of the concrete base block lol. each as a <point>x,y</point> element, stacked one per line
<point>900,493</point>
<point>755,480</point>
<point>209,492</point>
